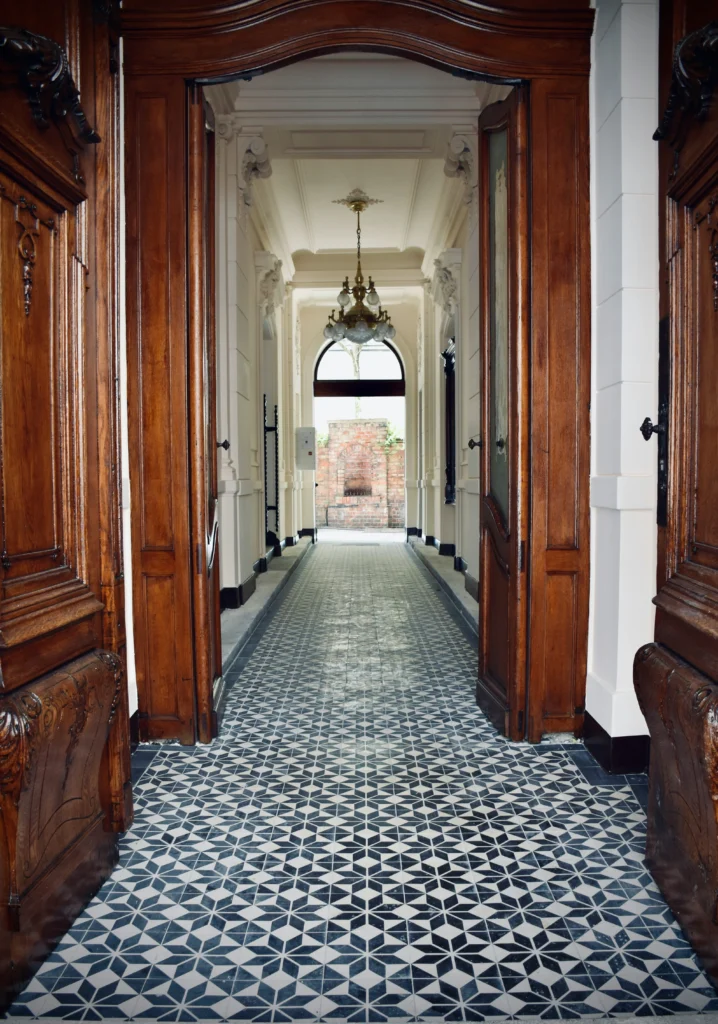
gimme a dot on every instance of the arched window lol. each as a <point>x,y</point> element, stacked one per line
<point>374,369</point>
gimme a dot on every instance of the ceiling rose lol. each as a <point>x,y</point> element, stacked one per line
<point>363,321</point>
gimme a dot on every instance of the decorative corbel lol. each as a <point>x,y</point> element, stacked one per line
<point>460,163</point>
<point>39,65</point>
<point>693,82</point>
<point>271,291</point>
<point>446,281</point>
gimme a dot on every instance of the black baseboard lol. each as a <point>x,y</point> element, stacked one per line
<point>472,585</point>
<point>413,531</point>
<point>430,540</point>
<point>308,533</point>
<point>134,730</point>
<point>460,564</point>
<point>235,597</point>
<point>229,598</point>
<point>247,587</point>
<point>618,755</point>
<point>260,565</point>
<point>447,549</point>
<point>291,542</point>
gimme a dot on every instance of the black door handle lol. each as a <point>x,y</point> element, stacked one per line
<point>501,443</point>
<point>648,428</point>
<point>223,444</point>
<point>475,444</point>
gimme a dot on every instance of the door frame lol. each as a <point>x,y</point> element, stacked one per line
<point>166,54</point>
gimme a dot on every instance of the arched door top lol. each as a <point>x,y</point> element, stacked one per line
<point>225,39</point>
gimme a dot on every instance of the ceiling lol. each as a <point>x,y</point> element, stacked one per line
<point>340,122</point>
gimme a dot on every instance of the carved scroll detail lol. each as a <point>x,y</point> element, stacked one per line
<point>41,68</point>
<point>52,738</point>
<point>27,248</point>
<point>695,76</point>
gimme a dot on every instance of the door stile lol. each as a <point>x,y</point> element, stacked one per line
<point>197,336</point>
<point>501,689</point>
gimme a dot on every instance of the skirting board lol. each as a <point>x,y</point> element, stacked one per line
<point>460,564</point>
<point>430,541</point>
<point>619,755</point>
<point>448,550</point>
<point>234,597</point>
<point>413,531</point>
<point>308,533</point>
<point>291,542</point>
<point>472,585</point>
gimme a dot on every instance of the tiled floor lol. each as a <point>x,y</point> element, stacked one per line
<point>359,845</point>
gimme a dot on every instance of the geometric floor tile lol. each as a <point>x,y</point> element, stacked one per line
<point>360,845</point>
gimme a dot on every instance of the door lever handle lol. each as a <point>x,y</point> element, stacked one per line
<point>475,444</point>
<point>223,444</point>
<point>648,428</point>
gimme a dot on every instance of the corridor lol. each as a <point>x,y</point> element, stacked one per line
<point>359,845</point>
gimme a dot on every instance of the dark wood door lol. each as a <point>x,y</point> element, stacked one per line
<point>203,419</point>
<point>503,218</point>
<point>677,676</point>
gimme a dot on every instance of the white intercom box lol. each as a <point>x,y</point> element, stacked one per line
<point>306,448</point>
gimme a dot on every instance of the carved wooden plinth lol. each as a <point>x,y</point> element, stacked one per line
<point>55,843</point>
<point>681,708</point>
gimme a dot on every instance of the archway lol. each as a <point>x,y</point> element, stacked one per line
<point>549,50</point>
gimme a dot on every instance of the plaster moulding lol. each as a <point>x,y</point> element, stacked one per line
<point>271,287</point>
<point>252,153</point>
<point>445,283</point>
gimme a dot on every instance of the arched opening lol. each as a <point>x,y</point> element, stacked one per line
<point>360,416</point>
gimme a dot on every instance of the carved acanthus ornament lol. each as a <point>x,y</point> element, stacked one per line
<point>53,736</point>
<point>694,80</point>
<point>252,154</point>
<point>39,65</point>
<point>446,281</point>
<point>460,163</point>
<point>270,282</point>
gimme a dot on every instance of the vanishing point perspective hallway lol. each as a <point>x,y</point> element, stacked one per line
<point>360,845</point>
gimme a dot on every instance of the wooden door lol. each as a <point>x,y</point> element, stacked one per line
<point>64,788</point>
<point>203,419</point>
<point>677,677</point>
<point>503,218</point>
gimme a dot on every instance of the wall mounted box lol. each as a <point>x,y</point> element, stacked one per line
<point>306,448</point>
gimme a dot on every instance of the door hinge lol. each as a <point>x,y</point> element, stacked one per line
<point>522,555</point>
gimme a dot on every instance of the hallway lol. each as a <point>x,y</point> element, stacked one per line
<point>360,845</point>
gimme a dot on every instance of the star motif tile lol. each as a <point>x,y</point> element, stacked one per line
<point>360,845</point>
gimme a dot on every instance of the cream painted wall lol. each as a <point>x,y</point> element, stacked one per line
<point>624,114</point>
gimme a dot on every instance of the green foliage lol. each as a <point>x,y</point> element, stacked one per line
<point>322,440</point>
<point>392,438</point>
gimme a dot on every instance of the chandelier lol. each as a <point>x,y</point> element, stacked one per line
<point>362,321</point>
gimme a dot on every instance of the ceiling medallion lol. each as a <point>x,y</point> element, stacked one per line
<point>361,322</point>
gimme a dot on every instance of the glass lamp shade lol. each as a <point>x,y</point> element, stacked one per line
<point>344,297</point>
<point>390,331</point>
<point>372,298</point>
<point>360,333</point>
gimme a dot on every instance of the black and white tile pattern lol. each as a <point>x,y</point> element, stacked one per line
<point>359,845</point>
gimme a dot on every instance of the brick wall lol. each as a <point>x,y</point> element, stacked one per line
<point>360,481</point>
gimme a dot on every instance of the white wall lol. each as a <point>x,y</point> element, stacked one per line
<point>124,433</point>
<point>624,114</point>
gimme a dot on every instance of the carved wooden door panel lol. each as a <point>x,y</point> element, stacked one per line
<point>203,403</point>
<point>677,676</point>
<point>501,690</point>
<point>63,787</point>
